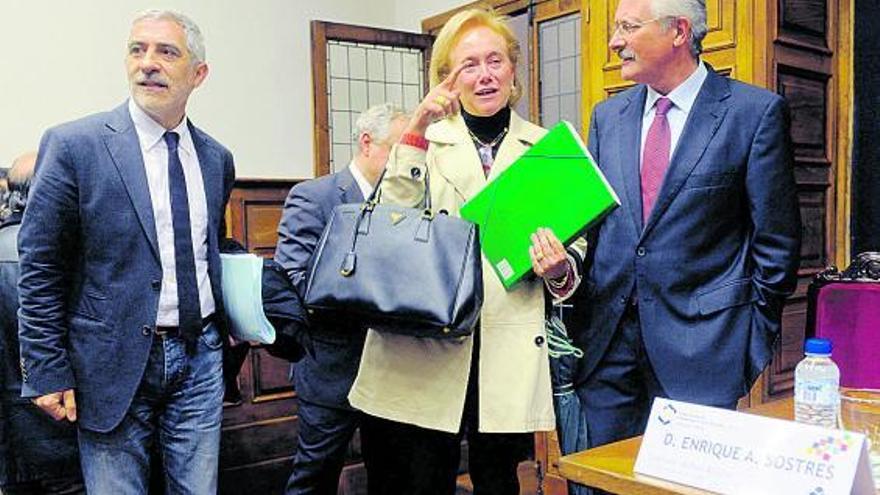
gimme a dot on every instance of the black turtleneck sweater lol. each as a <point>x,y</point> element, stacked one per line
<point>488,128</point>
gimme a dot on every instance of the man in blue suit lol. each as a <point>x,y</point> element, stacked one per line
<point>688,277</point>
<point>323,377</point>
<point>120,274</point>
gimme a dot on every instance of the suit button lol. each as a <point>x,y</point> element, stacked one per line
<point>539,340</point>
<point>415,172</point>
<point>641,251</point>
<point>623,300</point>
<point>146,330</point>
<point>156,284</point>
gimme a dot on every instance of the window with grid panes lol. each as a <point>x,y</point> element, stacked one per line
<point>559,45</point>
<point>360,75</point>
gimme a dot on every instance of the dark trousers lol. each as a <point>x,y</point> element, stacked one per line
<point>409,460</point>
<point>617,397</point>
<point>324,435</point>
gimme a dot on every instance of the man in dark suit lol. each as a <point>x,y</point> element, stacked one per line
<point>323,377</point>
<point>688,277</point>
<point>38,456</point>
<point>120,274</point>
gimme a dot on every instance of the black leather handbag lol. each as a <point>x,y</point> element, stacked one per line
<point>401,270</point>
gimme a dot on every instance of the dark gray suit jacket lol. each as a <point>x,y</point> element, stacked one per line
<point>325,376</point>
<point>33,446</point>
<point>719,253</point>
<point>90,268</point>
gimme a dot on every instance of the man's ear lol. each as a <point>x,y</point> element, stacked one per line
<point>201,74</point>
<point>683,31</point>
<point>364,142</point>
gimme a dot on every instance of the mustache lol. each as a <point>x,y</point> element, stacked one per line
<point>153,78</point>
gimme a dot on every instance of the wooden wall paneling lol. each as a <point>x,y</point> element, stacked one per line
<point>254,210</point>
<point>259,432</point>
<point>601,66</point>
<point>778,380</point>
<point>803,71</point>
<point>804,24</point>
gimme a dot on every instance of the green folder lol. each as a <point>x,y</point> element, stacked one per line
<point>555,184</point>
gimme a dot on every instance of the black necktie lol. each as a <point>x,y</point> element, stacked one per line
<point>188,306</point>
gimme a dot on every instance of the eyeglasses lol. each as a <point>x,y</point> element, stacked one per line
<point>627,28</point>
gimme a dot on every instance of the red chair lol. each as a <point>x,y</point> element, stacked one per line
<point>845,308</point>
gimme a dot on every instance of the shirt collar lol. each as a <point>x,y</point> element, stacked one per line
<point>362,182</point>
<point>684,95</point>
<point>151,132</point>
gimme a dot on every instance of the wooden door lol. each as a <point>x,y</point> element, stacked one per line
<point>803,67</point>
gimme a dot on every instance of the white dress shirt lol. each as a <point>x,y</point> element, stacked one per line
<point>155,154</point>
<point>362,182</point>
<point>682,98</point>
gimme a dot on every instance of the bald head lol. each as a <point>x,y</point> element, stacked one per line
<point>22,171</point>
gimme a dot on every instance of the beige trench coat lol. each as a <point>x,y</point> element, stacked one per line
<point>424,381</point>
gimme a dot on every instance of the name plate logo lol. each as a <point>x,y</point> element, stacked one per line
<point>736,453</point>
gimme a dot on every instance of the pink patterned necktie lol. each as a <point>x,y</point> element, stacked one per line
<point>655,158</point>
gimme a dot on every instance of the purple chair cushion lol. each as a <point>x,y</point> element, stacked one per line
<point>849,315</point>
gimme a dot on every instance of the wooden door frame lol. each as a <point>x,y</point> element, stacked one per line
<point>323,31</point>
<point>843,97</point>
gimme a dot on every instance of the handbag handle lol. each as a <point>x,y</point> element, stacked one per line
<point>349,262</point>
<point>376,195</point>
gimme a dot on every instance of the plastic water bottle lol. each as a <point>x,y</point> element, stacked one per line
<point>816,386</point>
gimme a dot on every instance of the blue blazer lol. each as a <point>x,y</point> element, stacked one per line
<point>325,376</point>
<point>717,257</point>
<point>90,269</point>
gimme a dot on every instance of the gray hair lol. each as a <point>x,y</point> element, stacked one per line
<point>376,121</point>
<point>195,42</point>
<point>693,10</point>
<point>19,178</point>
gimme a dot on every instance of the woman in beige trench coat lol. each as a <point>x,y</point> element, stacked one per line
<point>420,395</point>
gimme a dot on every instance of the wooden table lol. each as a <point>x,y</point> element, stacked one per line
<point>610,467</point>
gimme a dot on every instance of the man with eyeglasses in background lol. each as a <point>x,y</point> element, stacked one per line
<point>688,277</point>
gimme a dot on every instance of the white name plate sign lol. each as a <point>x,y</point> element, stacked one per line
<point>736,453</point>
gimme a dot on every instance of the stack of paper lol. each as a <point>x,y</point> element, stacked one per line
<point>243,297</point>
<point>555,184</point>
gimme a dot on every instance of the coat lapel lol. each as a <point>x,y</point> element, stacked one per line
<point>122,143</point>
<point>703,121</point>
<point>629,128</point>
<point>461,163</point>
<point>211,165</point>
<point>349,191</point>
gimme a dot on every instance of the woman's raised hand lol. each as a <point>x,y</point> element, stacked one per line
<point>439,103</point>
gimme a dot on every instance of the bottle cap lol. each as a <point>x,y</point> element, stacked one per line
<point>818,346</point>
